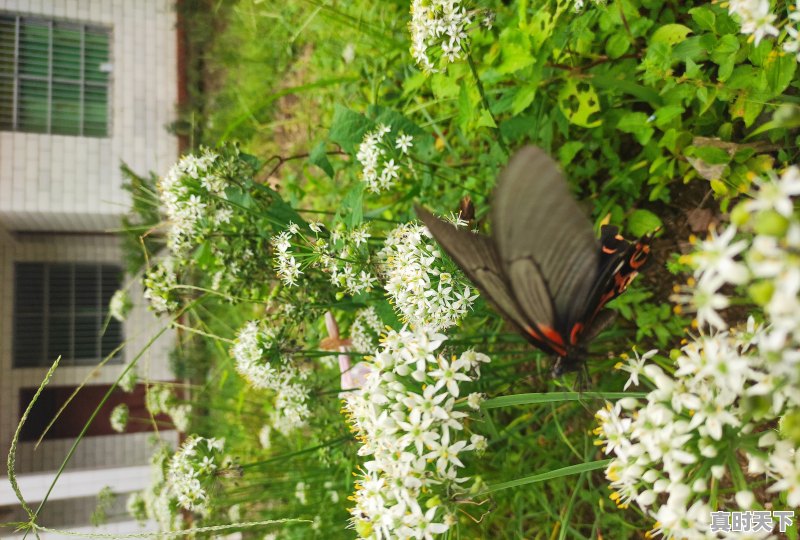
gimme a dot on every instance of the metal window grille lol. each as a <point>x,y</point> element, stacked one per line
<point>62,309</point>
<point>54,76</point>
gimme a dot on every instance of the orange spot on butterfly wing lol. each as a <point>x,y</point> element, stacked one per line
<point>549,336</point>
<point>576,331</point>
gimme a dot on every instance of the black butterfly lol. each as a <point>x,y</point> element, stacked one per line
<point>543,267</point>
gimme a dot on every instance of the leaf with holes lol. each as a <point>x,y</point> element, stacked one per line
<point>578,101</point>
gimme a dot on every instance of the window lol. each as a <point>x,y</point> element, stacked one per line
<point>77,413</point>
<point>62,309</point>
<point>54,77</point>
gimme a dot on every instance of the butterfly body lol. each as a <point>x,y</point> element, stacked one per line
<point>543,268</point>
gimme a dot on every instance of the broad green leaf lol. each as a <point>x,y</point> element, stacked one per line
<point>523,98</point>
<point>352,205</point>
<point>578,101</point>
<point>516,50</point>
<point>780,69</point>
<point>445,85</point>
<point>637,124</point>
<point>348,128</point>
<point>704,17</point>
<point>319,158</point>
<point>667,114</point>
<point>617,45</point>
<point>642,221</point>
<point>568,151</point>
<point>710,154</point>
<point>671,34</point>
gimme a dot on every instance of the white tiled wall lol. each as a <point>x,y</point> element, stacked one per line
<point>141,325</point>
<point>50,182</point>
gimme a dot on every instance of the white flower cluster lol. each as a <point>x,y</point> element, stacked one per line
<point>284,262</point>
<point>128,382</point>
<point>364,331</point>
<point>406,420</point>
<point>181,416</point>
<point>120,305</point>
<point>157,503</point>
<point>343,256</point>
<point>713,419</point>
<point>157,398</point>
<point>119,417</point>
<point>580,4</point>
<point>380,160</point>
<point>136,506</point>
<point>755,17</point>
<point>205,199</point>
<point>260,360</point>
<point>160,283</point>
<point>438,33</point>
<point>192,192</point>
<point>422,289</point>
<point>192,471</point>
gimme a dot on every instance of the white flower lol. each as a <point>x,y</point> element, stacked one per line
<point>635,366</point>
<point>438,31</point>
<point>417,280</point>
<point>404,142</point>
<point>120,305</point>
<point>119,418</point>
<point>715,256</point>
<point>475,399</point>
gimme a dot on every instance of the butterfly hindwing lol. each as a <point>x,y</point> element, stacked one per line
<point>477,256</point>
<point>540,230</point>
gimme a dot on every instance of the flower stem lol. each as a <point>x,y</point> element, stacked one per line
<point>485,101</point>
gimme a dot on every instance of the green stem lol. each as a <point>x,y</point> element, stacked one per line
<point>485,101</point>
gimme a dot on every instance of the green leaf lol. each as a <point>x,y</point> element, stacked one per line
<point>319,158</point>
<point>637,124</point>
<point>712,155</point>
<point>724,55</point>
<point>694,48</point>
<point>516,49</point>
<point>523,98</point>
<point>348,128</point>
<point>618,44</point>
<point>642,221</point>
<point>551,475</point>
<point>704,17</point>
<point>760,53</point>
<point>579,102</point>
<point>444,85</point>
<point>667,114</point>
<point>554,397</point>
<point>568,151</point>
<point>780,70</point>
<point>671,34</point>
<point>615,84</point>
<point>353,205</point>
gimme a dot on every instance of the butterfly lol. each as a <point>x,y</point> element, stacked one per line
<point>543,268</point>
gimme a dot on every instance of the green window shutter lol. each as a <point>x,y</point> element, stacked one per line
<point>54,77</point>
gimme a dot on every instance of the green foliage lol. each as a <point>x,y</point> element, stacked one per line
<point>140,225</point>
<point>648,105</point>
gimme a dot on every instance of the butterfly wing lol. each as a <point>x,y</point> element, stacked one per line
<point>549,252</point>
<point>620,262</point>
<point>477,256</point>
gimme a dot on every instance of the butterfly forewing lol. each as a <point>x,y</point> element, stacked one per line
<point>477,256</point>
<point>549,251</point>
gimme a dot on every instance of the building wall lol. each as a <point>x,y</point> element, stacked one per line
<point>69,183</point>
<point>140,327</point>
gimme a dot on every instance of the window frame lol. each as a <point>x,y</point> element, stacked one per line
<point>17,78</point>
